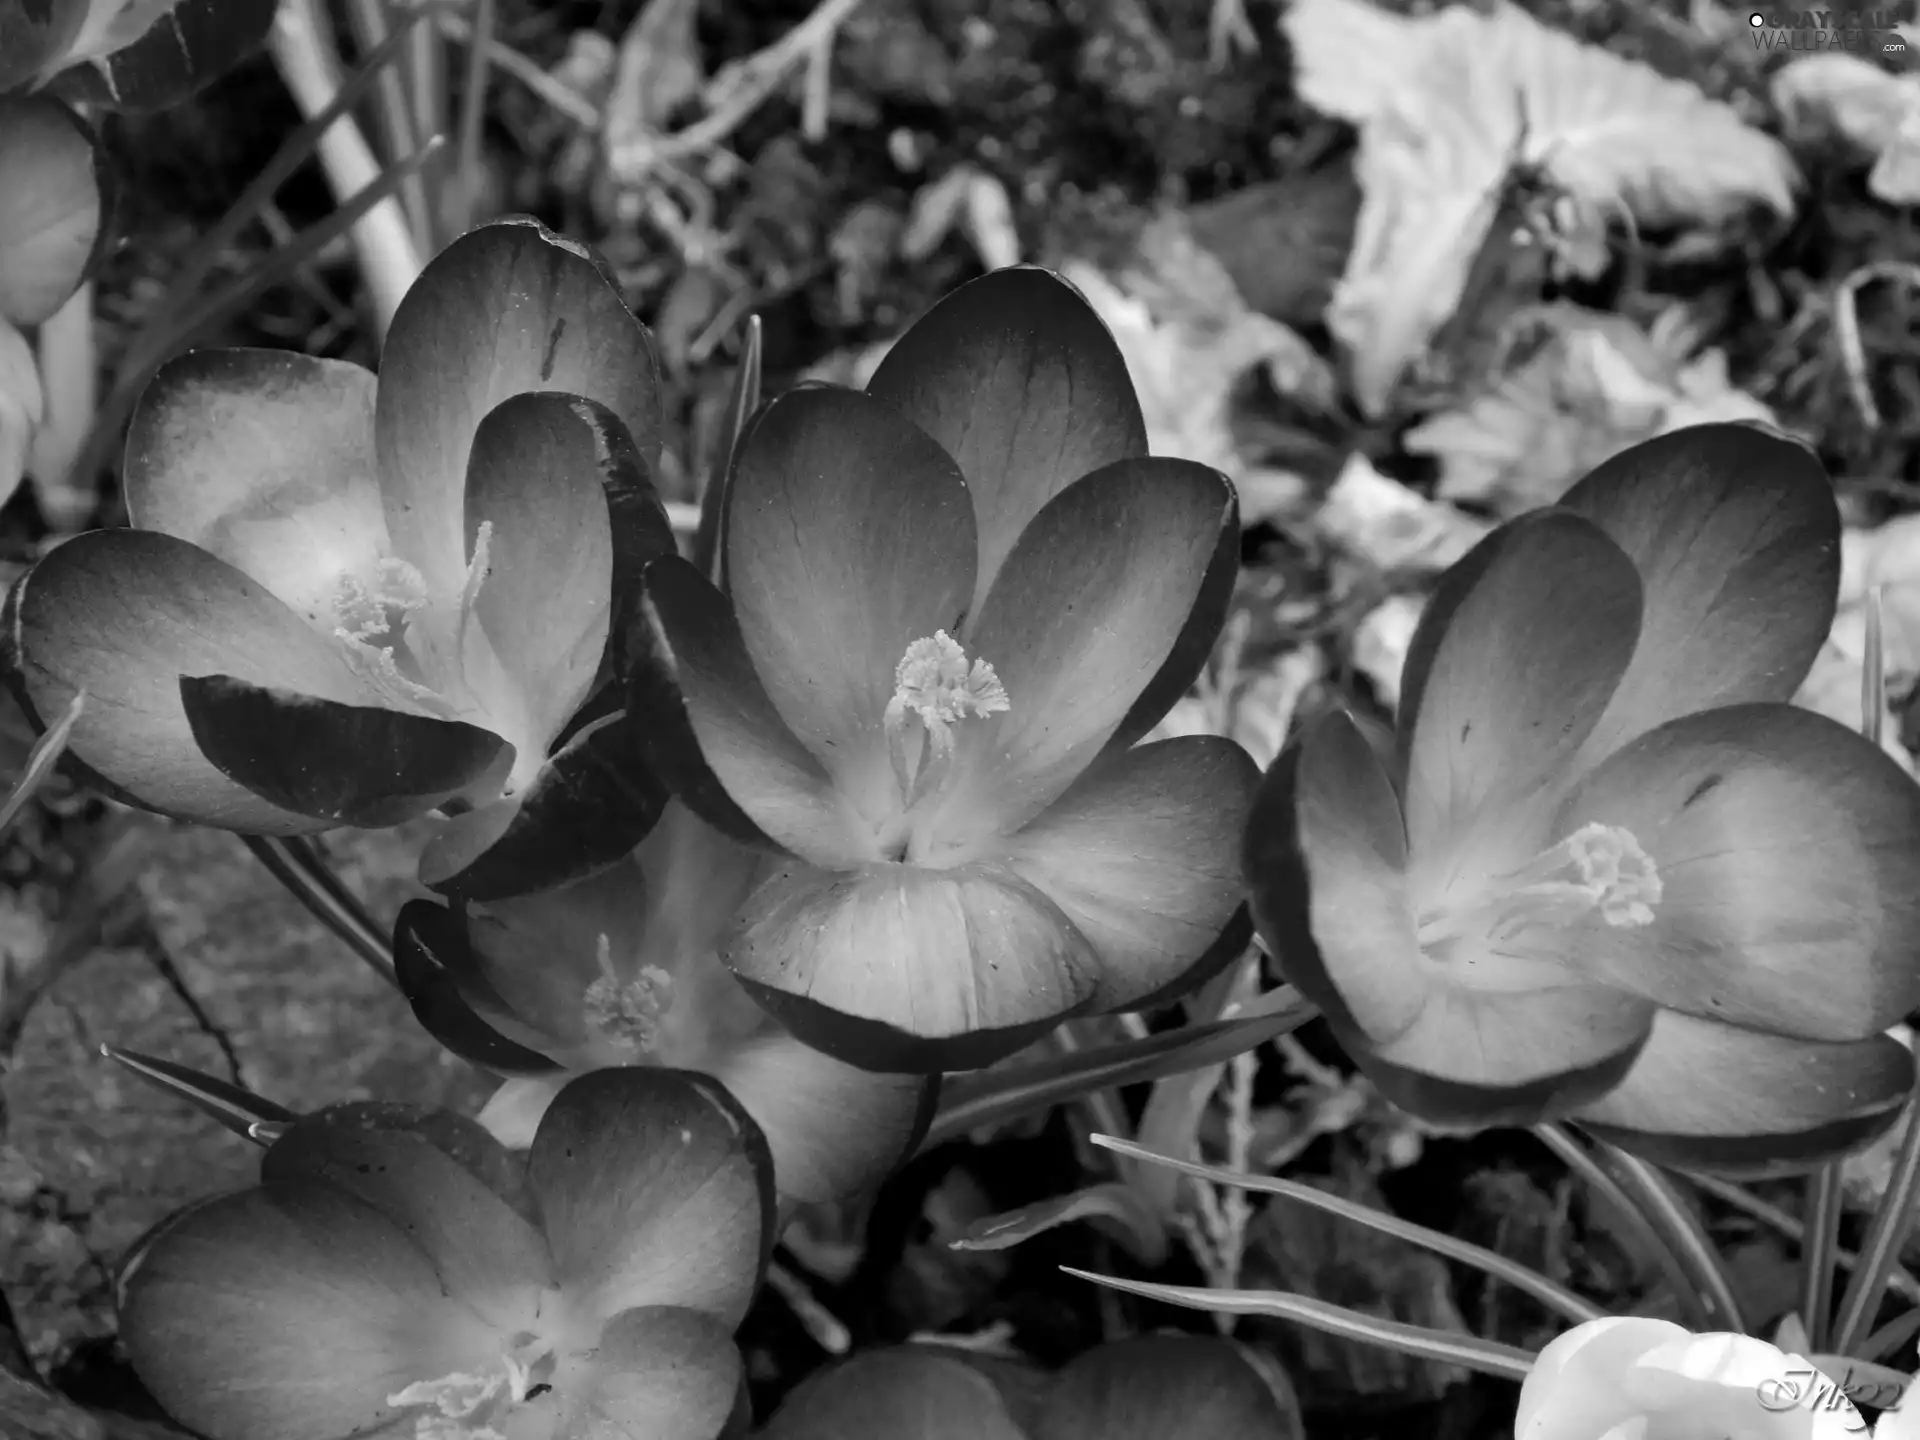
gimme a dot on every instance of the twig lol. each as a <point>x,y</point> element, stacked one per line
<point>741,91</point>
<point>509,61</point>
<point>1846,329</point>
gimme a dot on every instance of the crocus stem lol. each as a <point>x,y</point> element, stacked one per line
<point>296,864</point>
<point>389,259</point>
<point>1892,1224</point>
<point>1819,1252</point>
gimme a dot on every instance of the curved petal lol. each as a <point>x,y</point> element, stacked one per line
<point>123,614</point>
<point>1142,853</point>
<point>907,1392</point>
<point>431,967</point>
<point>849,536</point>
<point>715,737</point>
<point>658,1373</point>
<point>653,1189</point>
<point>1576,1386</point>
<point>52,198</point>
<point>901,969</point>
<point>507,308</point>
<point>1464,1037</point>
<point>1170,1387</point>
<point>1788,852</point>
<point>1697,1383</point>
<point>486,1255</point>
<point>1707,1096</point>
<point>540,953</point>
<point>265,459</point>
<point>346,763</point>
<point>1018,378</point>
<point>1736,535</point>
<point>294,1318</point>
<point>1086,609</point>
<point>539,531</point>
<point>1511,665</point>
<point>513,1113</point>
<point>835,1131</point>
<point>1194,648</point>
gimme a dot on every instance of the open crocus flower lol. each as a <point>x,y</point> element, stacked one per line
<point>397,1273</point>
<point>1629,1376</point>
<point>622,969</point>
<point>1606,872</point>
<point>953,603</point>
<point>349,603</point>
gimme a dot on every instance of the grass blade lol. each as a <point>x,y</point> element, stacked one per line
<point>1531,1282</point>
<point>41,759</point>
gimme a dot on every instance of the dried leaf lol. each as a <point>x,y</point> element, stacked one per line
<point>1453,107</point>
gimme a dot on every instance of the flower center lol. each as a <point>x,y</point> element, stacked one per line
<point>486,1406</point>
<point>934,685</point>
<point>1598,867</point>
<point>625,1014</point>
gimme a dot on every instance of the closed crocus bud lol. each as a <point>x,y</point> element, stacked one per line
<point>1626,1376</point>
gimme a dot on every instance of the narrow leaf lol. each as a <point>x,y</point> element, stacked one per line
<point>709,550</point>
<point>246,1114</point>
<point>1442,1347</point>
<point>1531,1282</point>
<point>1113,1208</point>
<point>46,752</point>
<point>1000,1095</point>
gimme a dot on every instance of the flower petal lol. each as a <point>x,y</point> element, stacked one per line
<point>1018,378</point>
<point>907,1392</point>
<point>52,199</point>
<point>1576,1385</point>
<point>290,1318</point>
<point>849,536</point>
<point>264,458</point>
<point>513,1113</point>
<point>1788,850</point>
<point>429,951</point>
<point>901,969</point>
<point>1194,648</point>
<point>835,1131</point>
<point>1088,606</point>
<point>1736,536</point>
<point>654,1189</point>
<point>1700,1383</point>
<point>1512,662</point>
<point>534,487</point>
<point>347,764</point>
<point>659,1373</point>
<point>507,308</point>
<point>1326,864</point>
<point>589,806</point>
<point>1170,1387</point>
<point>714,736</point>
<point>1142,854</point>
<point>1707,1096</point>
<point>486,1255</point>
<point>123,614</point>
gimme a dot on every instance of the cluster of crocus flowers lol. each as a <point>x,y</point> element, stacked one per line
<point>1602,870</point>
<point>623,969</point>
<point>398,1273</point>
<point>952,604</point>
<point>348,602</point>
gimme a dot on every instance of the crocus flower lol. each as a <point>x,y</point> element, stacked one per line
<point>349,602</point>
<point>953,603</point>
<point>1149,1387</point>
<point>622,969</point>
<point>1627,1376</point>
<point>397,1273</point>
<point>1605,872</point>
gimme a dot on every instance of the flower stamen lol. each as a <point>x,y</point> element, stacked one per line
<point>934,683</point>
<point>626,1014</point>
<point>462,1406</point>
<point>1613,874</point>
